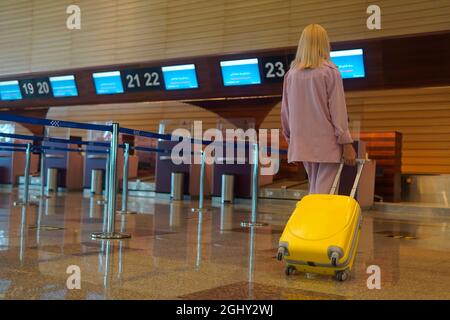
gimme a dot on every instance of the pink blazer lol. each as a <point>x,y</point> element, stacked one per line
<point>314,115</point>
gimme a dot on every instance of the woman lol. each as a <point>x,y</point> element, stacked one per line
<point>313,112</point>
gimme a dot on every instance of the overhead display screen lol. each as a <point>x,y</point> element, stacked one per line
<point>10,90</point>
<point>349,62</point>
<point>180,77</point>
<point>240,72</point>
<point>108,82</point>
<point>64,86</point>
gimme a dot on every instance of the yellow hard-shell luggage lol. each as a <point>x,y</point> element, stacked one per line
<point>322,234</point>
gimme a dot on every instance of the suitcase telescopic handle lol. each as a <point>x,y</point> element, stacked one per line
<point>360,163</point>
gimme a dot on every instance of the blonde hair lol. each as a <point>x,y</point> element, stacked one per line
<point>313,48</point>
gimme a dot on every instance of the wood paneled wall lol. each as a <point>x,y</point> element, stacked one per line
<point>421,115</point>
<point>386,149</point>
<point>34,37</point>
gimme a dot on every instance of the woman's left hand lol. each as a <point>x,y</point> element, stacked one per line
<point>349,155</point>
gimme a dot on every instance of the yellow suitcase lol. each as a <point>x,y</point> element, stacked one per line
<point>322,234</point>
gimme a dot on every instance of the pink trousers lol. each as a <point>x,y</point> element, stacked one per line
<point>320,176</point>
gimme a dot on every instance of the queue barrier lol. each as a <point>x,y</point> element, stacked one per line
<point>46,152</point>
<point>54,123</point>
<point>51,139</point>
<point>24,202</point>
<point>68,141</point>
<point>126,154</point>
<point>255,173</point>
<point>42,194</point>
<point>29,149</point>
<point>109,232</point>
<point>16,145</point>
<point>12,149</point>
<point>127,148</point>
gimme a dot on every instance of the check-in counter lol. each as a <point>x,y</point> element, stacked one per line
<point>94,161</point>
<point>165,167</point>
<point>242,171</point>
<point>12,165</point>
<point>242,176</point>
<point>238,166</point>
<point>97,161</point>
<point>69,165</point>
<point>386,148</point>
<point>147,160</point>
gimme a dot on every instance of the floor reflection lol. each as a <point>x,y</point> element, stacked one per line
<point>177,253</point>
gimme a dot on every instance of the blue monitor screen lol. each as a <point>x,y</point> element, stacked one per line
<point>240,72</point>
<point>349,62</point>
<point>10,90</point>
<point>64,86</point>
<point>108,82</point>
<point>180,77</point>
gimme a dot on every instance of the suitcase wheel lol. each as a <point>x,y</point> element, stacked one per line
<point>280,254</point>
<point>289,270</point>
<point>334,258</point>
<point>342,275</point>
<point>334,261</point>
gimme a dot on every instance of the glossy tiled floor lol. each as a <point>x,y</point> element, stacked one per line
<point>177,254</point>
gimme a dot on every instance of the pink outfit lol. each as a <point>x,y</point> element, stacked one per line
<point>315,122</point>
<point>320,176</point>
<point>314,115</point>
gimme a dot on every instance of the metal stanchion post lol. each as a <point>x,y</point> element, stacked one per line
<point>126,154</point>
<point>120,262</point>
<point>105,196</point>
<point>107,175</point>
<point>161,129</point>
<point>251,262</point>
<point>111,204</point>
<point>202,185</point>
<point>23,223</point>
<point>24,201</point>
<point>255,189</point>
<point>38,222</point>
<point>42,194</point>
<point>199,241</point>
<point>255,181</point>
<point>108,252</point>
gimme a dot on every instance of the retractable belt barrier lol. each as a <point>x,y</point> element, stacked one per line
<point>37,148</point>
<point>109,232</point>
<point>28,149</point>
<point>114,129</point>
<point>54,123</point>
<point>41,149</point>
<point>9,144</point>
<point>13,149</point>
<point>255,172</point>
<point>56,140</point>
